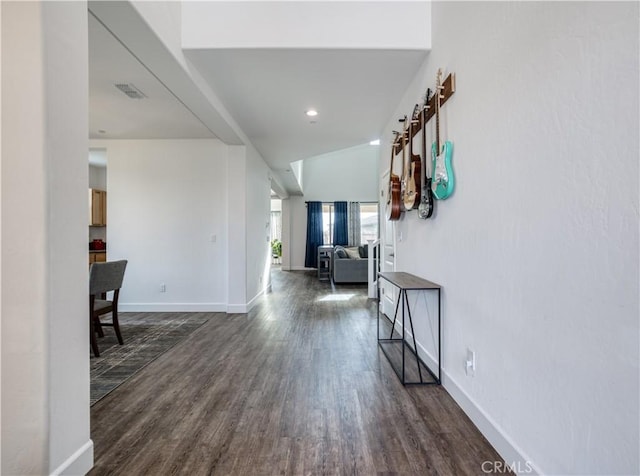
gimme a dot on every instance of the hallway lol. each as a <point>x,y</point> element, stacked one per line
<point>297,386</point>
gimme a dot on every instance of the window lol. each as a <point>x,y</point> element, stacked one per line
<point>327,223</point>
<point>368,222</point>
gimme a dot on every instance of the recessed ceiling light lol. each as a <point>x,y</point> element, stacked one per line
<point>311,113</point>
<point>375,142</point>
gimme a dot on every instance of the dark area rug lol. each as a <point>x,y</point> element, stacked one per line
<point>147,335</point>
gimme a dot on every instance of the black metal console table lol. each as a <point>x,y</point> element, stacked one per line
<point>408,282</point>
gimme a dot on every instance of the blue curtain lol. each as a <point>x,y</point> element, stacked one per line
<point>314,234</point>
<point>341,224</point>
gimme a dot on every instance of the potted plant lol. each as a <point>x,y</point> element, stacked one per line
<point>276,248</point>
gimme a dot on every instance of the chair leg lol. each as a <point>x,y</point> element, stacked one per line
<point>98,326</point>
<point>116,325</point>
<point>92,337</point>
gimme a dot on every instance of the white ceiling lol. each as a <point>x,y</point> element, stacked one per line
<point>269,90</point>
<point>159,116</point>
<point>263,91</point>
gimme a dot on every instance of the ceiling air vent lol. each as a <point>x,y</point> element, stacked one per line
<point>130,90</point>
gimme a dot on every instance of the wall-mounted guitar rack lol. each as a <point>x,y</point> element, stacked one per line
<point>448,88</point>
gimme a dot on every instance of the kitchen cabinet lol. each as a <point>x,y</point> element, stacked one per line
<point>97,207</point>
<point>97,257</point>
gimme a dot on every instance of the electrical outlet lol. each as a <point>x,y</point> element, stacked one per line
<point>214,238</point>
<point>163,288</point>
<point>470,363</point>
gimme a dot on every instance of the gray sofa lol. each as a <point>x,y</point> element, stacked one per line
<point>350,269</point>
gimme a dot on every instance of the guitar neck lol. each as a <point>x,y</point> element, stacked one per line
<point>424,133</point>
<point>393,147</point>
<point>438,116</point>
<point>404,152</point>
<point>439,97</point>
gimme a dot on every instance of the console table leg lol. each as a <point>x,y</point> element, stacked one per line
<point>395,316</point>
<point>378,314</point>
<point>413,334</point>
<point>439,343</point>
<point>403,295</point>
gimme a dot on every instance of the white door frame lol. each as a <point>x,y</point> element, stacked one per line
<point>388,250</point>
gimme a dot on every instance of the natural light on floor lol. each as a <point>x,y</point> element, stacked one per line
<point>336,297</point>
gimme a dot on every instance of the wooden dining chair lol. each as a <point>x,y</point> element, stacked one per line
<point>103,278</point>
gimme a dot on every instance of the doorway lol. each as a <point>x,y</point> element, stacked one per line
<point>275,234</point>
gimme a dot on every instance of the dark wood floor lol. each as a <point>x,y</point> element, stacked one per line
<point>297,386</point>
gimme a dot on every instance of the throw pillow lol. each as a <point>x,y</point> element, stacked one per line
<point>363,250</point>
<point>340,252</point>
<point>353,253</point>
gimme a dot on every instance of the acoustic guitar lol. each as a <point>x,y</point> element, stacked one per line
<point>443,180</point>
<point>393,195</point>
<point>414,174</point>
<point>425,210</point>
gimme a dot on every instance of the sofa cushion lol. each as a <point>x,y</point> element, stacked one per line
<point>340,252</point>
<point>352,253</point>
<point>363,250</point>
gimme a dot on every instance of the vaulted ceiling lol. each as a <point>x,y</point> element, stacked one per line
<point>256,91</point>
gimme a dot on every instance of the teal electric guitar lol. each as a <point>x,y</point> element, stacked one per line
<point>442,181</point>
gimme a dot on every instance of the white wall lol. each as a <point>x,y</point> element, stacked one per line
<point>0,242</point>
<point>296,169</point>
<point>97,177</point>
<point>537,249</point>
<point>294,232</point>
<point>249,191</point>
<point>348,174</point>
<point>167,198</point>
<point>237,223</point>
<point>45,361</point>
<point>258,216</point>
<point>286,232</point>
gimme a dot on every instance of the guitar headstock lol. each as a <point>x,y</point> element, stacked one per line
<point>427,98</point>
<point>416,113</point>
<point>396,136</point>
<point>439,85</point>
<point>405,125</point>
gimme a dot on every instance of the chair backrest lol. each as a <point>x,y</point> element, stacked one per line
<point>104,277</point>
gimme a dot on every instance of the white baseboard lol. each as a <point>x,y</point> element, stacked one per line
<point>173,307</point>
<point>244,308</point>
<point>505,446</point>
<point>237,309</point>
<point>510,452</point>
<point>193,306</point>
<point>78,463</point>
